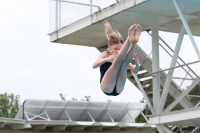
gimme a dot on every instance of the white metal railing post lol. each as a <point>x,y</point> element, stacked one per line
<point>155,67</point>
<point>90,7</point>
<point>56,24</point>
<point>187,28</point>
<point>170,73</point>
<point>91,11</point>
<point>59,14</point>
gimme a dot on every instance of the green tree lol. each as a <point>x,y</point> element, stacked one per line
<point>146,111</point>
<point>9,105</point>
<point>194,95</point>
<point>74,99</point>
<point>62,97</point>
<point>87,98</point>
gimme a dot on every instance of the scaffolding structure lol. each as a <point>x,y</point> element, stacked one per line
<point>163,96</point>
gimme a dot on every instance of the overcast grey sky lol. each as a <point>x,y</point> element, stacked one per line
<point>34,68</point>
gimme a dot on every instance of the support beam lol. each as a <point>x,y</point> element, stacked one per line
<point>62,111</point>
<point>123,113</point>
<point>170,73</point>
<point>91,116</point>
<point>189,117</point>
<point>155,67</point>
<point>187,28</point>
<point>144,93</point>
<point>103,113</point>
<point>144,117</point>
<point>68,116</point>
<point>172,105</point>
<point>110,117</point>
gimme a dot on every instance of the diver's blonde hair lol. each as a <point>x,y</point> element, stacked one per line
<point>113,36</point>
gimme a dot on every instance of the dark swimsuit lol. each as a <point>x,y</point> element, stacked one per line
<point>103,68</point>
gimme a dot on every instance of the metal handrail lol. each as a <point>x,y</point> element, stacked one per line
<point>150,61</point>
<point>178,56</point>
<point>99,8</point>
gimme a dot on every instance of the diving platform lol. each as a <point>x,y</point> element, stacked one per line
<point>148,13</point>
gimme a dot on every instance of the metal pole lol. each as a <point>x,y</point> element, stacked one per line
<point>59,14</point>
<point>110,117</point>
<point>23,109</point>
<point>184,79</point>
<point>171,68</point>
<point>90,116</point>
<point>144,117</point>
<point>91,11</point>
<point>56,26</point>
<point>170,73</point>
<point>68,116</point>
<point>144,93</point>
<point>187,28</point>
<point>183,94</point>
<point>90,7</point>
<point>155,67</point>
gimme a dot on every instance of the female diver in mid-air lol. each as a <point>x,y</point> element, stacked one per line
<point>115,61</point>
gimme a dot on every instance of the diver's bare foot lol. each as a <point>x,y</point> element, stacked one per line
<point>131,33</point>
<point>138,31</point>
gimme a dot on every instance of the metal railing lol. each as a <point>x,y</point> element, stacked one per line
<point>147,57</point>
<point>58,8</point>
<point>178,57</point>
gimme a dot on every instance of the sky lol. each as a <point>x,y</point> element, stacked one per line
<point>35,68</point>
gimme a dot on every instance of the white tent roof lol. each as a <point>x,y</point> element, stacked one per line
<point>66,116</point>
<point>83,111</point>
